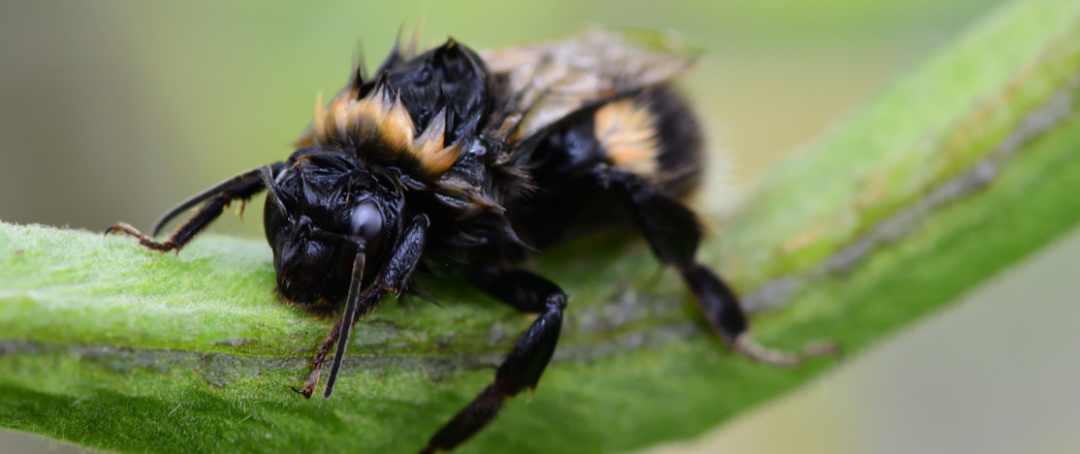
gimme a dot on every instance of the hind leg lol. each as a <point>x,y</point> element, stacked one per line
<point>673,233</point>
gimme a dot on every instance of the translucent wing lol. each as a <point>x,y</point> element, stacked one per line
<point>542,83</point>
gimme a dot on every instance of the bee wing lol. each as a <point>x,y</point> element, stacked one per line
<point>544,82</point>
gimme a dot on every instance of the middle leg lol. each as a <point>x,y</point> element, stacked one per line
<point>526,362</point>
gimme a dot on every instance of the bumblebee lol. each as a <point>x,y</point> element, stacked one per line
<point>450,156</point>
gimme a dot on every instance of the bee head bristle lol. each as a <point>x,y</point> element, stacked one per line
<point>431,140</point>
<point>397,128</point>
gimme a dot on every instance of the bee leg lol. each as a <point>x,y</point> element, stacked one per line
<point>524,364</point>
<point>183,234</point>
<point>241,187</point>
<point>392,279</point>
<point>721,307</point>
<point>673,233</point>
<point>320,359</point>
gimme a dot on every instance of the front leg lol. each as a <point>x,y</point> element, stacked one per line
<point>213,200</point>
<point>392,279</point>
<point>673,233</point>
<point>526,362</point>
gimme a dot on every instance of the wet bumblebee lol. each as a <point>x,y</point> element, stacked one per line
<point>482,159</point>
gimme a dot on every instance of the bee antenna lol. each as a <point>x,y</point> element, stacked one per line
<point>347,320</point>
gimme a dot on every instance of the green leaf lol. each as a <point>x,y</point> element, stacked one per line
<point>959,169</point>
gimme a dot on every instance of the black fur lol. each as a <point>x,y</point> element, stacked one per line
<point>352,217</point>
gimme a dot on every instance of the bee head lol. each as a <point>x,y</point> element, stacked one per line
<point>323,209</point>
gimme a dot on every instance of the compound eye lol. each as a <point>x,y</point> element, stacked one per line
<point>366,221</point>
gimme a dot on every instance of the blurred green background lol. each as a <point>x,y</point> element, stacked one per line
<point>114,110</point>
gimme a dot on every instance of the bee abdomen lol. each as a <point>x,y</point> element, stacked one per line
<point>653,134</point>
